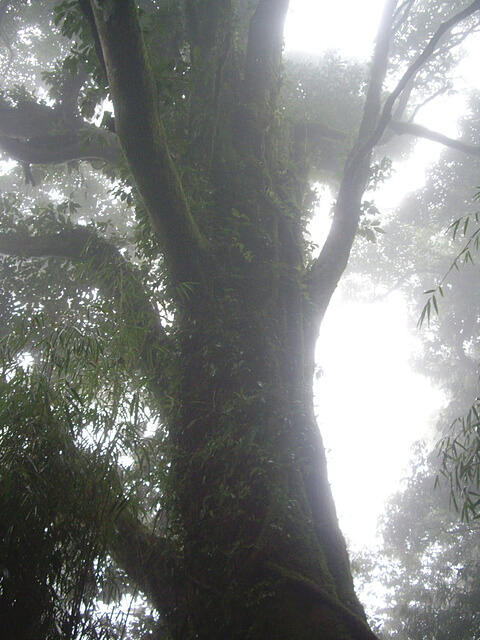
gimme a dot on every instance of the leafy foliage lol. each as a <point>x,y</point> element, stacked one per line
<point>428,564</point>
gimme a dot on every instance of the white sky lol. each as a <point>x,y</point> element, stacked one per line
<point>371,406</point>
<point>347,25</point>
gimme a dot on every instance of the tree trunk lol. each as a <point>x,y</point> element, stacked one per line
<point>264,557</point>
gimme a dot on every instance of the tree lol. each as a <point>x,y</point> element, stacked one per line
<point>429,563</point>
<point>439,256</point>
<point>211,306</point>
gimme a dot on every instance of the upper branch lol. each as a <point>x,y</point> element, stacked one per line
<point>327,269</point>
<point>419,131</point>
<point>377,76</point>
<point>411,72</point>
<point>116,278</point>
<point>37,134</point>
<point>142,137</point>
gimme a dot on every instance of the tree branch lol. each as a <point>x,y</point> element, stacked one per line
<point>411,72</point>
<point>327,269</point>
<point>34,133</point>
<point>419,131</point>
<point>28,119</point>
<point>90,18</point>
<point>146,558</point>
<point>61,148</point>
<point>116,278</point>
<point>142,137</point>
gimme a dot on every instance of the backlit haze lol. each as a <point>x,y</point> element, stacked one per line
<point>371,405</point>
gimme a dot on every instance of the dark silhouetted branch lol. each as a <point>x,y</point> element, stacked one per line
<point>60,148</point>
<point>90,18</point>
<point>34,133</point>
<point>419,131</point>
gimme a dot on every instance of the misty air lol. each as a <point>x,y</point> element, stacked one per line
<point>239,320</point>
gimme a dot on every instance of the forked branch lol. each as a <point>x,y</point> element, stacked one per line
<point>411,72</point>
<point>326,271</point>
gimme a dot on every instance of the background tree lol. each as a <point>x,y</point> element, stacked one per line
<point>427,564</point>
<point>173,347</point>
<point>427,561</point>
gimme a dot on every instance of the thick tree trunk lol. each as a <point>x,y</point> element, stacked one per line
<point>251,504</point>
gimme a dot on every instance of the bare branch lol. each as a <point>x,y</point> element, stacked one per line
<point>410,128</point>
<point>326,271</point>
<point>142,137</point>
<point>398,114</point>
<point>402,105</point>
<point>410,73</point>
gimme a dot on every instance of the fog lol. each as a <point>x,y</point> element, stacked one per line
<point>177,225</point>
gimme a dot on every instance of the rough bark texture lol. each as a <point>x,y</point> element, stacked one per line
<point>253,547</point>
